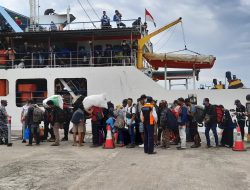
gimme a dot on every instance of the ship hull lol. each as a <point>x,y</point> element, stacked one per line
<point>117,82</point>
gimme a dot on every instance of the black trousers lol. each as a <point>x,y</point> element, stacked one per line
<point>242,126</point>
<point>48,131</point>
<point>148,139</point>
<point>34,133</point>
<point>66,129</point>
<point>95,132</point>
<point>227,137</point>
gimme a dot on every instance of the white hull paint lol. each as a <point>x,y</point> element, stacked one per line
<point>117,82</point>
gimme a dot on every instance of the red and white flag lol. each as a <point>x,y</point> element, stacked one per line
<point>148,17</point>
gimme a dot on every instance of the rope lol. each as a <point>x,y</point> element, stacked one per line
<point>183,35</point>
<point>93,10</point>
<point>170,36</point>
<point>161,36</point>
<point>86,13</point>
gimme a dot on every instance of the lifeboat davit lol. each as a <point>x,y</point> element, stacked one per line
<point>174,75</point>
<point>182,61</point>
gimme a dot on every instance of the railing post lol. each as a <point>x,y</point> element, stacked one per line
<point>70,57</point>
<point>32,60</point>
<point>54,57</point>
<point>51,59</point>
<point>111,60</point>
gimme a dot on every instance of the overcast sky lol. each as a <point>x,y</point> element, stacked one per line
<point>215,27</point>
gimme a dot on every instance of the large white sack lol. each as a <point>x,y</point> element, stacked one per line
<point>95,100</point>
<point>57,99</point>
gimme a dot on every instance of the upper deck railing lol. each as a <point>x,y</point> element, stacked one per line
<point>68,59</point>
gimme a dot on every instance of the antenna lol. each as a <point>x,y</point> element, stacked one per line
<point>38,10</point>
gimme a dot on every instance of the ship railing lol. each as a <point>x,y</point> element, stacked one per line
<point>82,25</point>
<point>70,59</point>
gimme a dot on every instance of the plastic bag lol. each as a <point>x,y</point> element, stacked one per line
<point>57,99</point>
<point>27,134</point>
<point>95,100</point>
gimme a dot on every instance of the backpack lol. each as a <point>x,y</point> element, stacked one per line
<point>37,115</point>
<point>219,114</point>
<point>129,114</point>
<point>198,115</point>
<point>163,118</point>
<point>171,120</point>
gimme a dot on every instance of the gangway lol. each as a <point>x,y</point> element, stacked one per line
<point>9,20</point>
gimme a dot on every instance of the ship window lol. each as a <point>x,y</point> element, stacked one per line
<point>66,86</point>
<point>26,89</point>
<point>4,87</point>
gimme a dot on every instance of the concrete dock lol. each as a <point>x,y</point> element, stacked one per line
<point>73,168</point>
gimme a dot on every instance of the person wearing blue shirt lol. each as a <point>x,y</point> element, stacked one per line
<point>117,18</point>
<point>105,20</point>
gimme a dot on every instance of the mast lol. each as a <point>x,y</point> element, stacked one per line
<point>33,11</point>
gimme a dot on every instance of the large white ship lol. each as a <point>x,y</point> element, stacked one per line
<point>38,60</point>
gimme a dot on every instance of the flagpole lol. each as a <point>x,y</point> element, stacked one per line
<point>145,15</point>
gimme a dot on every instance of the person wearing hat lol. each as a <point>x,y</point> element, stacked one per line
<point>3,122</point>
<point>240,115</point>
<point>149,118</point>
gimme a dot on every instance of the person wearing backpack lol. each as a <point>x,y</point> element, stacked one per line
<point>210,120</point>
<point>130,122</point>
<point>78,120</point>
<point>182,120</point>
<point>192,124</point>
<point>24,114</point>
<point>141,102</point>
<point>34,118</point>
<point>163,121</point>
<point>56,121</point>
<point>96,123</point>
<point>47,128</point>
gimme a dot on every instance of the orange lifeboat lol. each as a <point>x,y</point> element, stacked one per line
<point>182,61</point>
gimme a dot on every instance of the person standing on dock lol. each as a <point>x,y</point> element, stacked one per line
<point>241,118</point>
<point>182,120</point>
<point>210,119</point>
<point>3,123</point>
<point>149,118</point>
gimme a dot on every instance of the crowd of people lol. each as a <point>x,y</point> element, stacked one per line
<point>144,123</point>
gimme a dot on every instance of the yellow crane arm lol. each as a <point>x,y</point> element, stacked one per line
<point>142,41</point>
